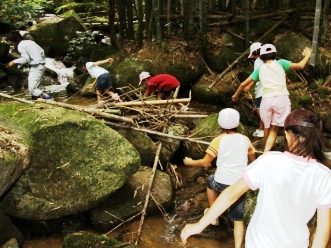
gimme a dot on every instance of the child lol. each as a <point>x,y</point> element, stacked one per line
<point>255,54</point>
<point>32,54</point>
<point>292,185</point>
<point>276,104</point>
<point>102,78</point>
<point>233,151</point>
<point>163,85</point>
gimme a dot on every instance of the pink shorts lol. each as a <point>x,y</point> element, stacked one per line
<point>274,110</point>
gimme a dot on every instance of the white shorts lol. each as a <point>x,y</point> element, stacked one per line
<point>274,110</point>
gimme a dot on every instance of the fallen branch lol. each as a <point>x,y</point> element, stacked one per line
<point>94,112</point>
<point>157,133</point>
<point>152,102</point>
<point>16,98</point>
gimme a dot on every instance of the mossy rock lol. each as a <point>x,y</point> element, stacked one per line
<point>76,162</point>
<point>15,142</point>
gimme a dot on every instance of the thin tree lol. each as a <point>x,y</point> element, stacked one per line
<point>325,20</point>
<point>111,21</point>
<point>316,30</point>
<point>156,13</point>
<point>203,25</point>
<point>246,24</point>
<point>140,16</point>
<point>129,12</point>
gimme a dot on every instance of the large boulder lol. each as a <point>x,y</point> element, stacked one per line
<point>54,34</point>
<point>14,155</point>
<point>129,200</point>
<point>76,162</point>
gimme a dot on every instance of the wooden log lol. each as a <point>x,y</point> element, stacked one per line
<point>16,98</point>
<point>92,111</point>
<point>157,133</point>
<point>152,102</point>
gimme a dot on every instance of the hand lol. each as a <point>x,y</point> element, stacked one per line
<point>187,161</point>
<point>189,230</point>
<point>307,52</point>
<point>89,86</point>
<point>11,63</point>
<point>234,98</point>
<point>110,60</point>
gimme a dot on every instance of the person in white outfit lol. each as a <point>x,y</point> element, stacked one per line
<point>292,186</point>
<point>233,151</point>
<point>32,54</point>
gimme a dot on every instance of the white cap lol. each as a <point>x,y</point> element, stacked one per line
<point>228,118</point>
<point>255,46</point>
<point>37,92</point>
<point>267,48</point>
<point>143,76</point>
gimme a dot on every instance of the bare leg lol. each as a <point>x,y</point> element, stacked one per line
<point>238,233</point>
<point>99,95</point>
<point>270,138</point>
<point>211,195</point>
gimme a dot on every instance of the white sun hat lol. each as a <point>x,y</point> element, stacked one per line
<point>228,118</point>
<point>267,48</point>
<point>143,76</point>
<point>255,46</point>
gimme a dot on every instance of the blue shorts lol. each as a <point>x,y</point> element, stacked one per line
<point>237,209</point>
<point>103,82</point>
<point>258,102</point>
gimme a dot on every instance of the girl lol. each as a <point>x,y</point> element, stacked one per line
<point>275,105</point>
<point>292,185</point>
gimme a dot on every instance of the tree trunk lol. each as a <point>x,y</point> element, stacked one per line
<point>246,24</point>
<point>140,31</point>
<point>316,29</point>
<point>111,21</point>
<point>129,11</point>
<point>325,21</point>
<point>156,13</point>
<point>203,25</point>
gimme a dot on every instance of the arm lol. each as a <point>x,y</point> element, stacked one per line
<point>323,229</point>
<point>248,81</point>
<point>300,65</point>
<point>204,162</point>
<point>251,157</point>
<point>101,62</point>
<point>248,87</point>
<point>90,86</point>
<point>230,195</point>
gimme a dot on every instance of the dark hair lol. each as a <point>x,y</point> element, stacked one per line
<point>268,56</point>
<point>81,62</point>
<point>14,37</point>
<point>308,141</point>
<point>256,52</point>
<point>230,130</point>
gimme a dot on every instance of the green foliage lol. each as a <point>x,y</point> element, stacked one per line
<point>84,7</point>
<point>76,46</point>
<point>19,13</point>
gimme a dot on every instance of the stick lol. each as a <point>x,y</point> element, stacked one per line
<point>157,133</point>
<point>156,160</point>
<point>243,55</point>
<point>152,102</point>
<point>16,98</point>
<point>97,112</point>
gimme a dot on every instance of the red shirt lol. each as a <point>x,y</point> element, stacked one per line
<point>162,82</point>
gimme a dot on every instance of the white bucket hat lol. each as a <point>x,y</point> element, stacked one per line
<point>255,46</point>
<point>37,92</point>
<point>267,48</point>
<point>143,76</point>
<point>228,118</point>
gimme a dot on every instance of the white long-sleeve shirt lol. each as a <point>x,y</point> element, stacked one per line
<point>31,53</point>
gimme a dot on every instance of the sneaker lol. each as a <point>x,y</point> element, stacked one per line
<point>257,131</point>
<point>260,134</point>
<point>214,222</point>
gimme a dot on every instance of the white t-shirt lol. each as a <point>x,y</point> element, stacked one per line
<point>95,71</point>
<point>30,52</point>
<point>232,156</point>
<point>258,86</point>
<point>291,188</point>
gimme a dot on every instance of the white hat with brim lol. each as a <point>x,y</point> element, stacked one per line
<point>143,76</point>
<point>255,46</point>
<point>267,48</point>
<point>37,92</point>
<point>228,118</point>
